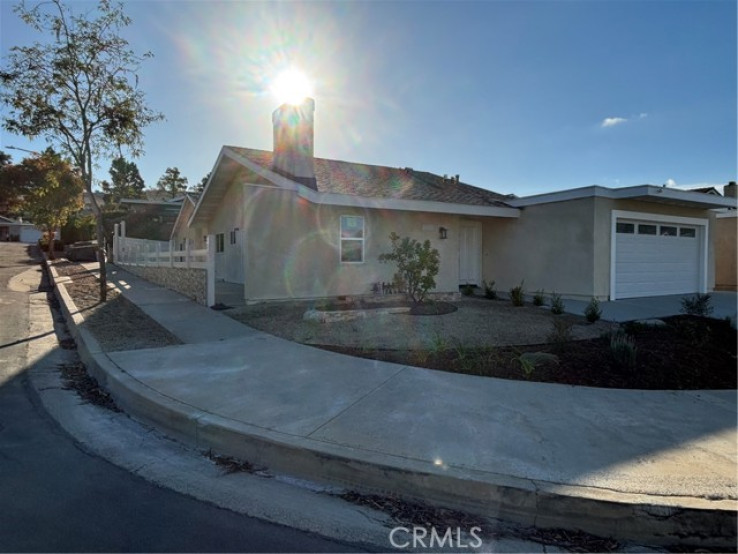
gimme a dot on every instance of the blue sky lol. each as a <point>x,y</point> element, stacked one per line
<point>518,97</point>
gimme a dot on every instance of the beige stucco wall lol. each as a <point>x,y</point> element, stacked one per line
<point>549,247</point>
<point>726,247</point>
<point>292,246</point>
<point>565,246</point>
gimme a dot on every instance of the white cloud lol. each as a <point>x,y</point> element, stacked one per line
<point>670,183</point>
<point>642,115</point>
<point>612,121</point>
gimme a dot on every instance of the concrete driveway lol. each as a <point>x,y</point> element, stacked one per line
<point>628,309</point>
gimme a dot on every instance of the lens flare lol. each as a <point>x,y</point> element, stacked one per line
<point>291,87</point>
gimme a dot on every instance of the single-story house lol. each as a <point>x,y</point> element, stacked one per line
<point>290,225</point>
<point>18,230</point>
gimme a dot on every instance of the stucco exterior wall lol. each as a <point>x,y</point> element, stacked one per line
<point>549,246</point>
<point>565,246</point>
<point>726,250</point>
<point>191,283</point>
<point>293,247</point>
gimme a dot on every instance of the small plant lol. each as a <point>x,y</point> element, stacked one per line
<point>516,295</point>
<point>439,344</point>
<point>698,305</point>
<point>467,290</point>
<point>623,349</point>
<point>557,304</point>
<point>561,332</point>
<point>593,312</point>
<point>489,290</point>
<point>529,361</point>
<point>539,298</point>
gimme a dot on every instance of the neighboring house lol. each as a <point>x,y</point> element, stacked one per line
<point>150,219</point>
<point>19,231</point>
<point>288,225</point>
<point>726,245</point>
<point>181,232</point>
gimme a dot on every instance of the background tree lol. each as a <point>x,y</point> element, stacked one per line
<point>11,193</point>
<point>201,185</point>
<point>78,88</point>
<point>172,183</point>
<point>125,182</point>
<point>52,192</point>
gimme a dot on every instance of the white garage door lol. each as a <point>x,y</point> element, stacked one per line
<point>656,258</point>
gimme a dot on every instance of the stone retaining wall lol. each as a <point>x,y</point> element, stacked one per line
<point>191,283</point>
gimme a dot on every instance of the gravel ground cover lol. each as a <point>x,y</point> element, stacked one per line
<point>476,323</point>
<point>117,324</point>
<point>495,339</point>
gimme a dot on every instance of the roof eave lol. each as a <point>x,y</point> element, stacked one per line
<point>649,193</point>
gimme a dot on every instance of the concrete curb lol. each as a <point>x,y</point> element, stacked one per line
<point>646,519</point>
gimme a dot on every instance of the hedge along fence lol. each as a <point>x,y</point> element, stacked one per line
<point>189,272</point>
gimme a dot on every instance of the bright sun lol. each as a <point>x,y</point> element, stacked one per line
<point>291,87</point>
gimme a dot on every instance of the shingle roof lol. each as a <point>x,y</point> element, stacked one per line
<point>375,181</point>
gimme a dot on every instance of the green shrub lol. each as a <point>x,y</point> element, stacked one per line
<point>489,290</point>
<point>593,312</point>
<point>557,304</point>
<point>517,295</point>
<point>539,298</point>
<point>417,265</point>
<point>698,305</point>
<point>467,290</point>
<point>623,349</point>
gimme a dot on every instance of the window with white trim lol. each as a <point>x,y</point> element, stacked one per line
<point>220,242</point>
<point>352,238</point>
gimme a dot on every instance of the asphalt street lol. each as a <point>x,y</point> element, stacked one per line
<point>57,497</point>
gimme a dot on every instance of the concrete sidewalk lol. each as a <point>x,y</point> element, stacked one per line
<point>654,466</point>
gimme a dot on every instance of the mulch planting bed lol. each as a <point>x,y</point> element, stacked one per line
<point>117,324</point>
<point>688,353</point>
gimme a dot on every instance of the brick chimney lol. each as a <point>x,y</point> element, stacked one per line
<point>293,142</point>
<point>729,191</point>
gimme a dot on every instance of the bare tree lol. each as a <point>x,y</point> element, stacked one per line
<point>78,89</point>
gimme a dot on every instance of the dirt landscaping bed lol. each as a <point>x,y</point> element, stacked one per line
<point>117,324</point>
<point>495,339</point>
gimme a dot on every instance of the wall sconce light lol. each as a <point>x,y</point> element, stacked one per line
<point>442,233</point>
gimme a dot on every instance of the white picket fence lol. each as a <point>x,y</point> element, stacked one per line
<point>129,251</point>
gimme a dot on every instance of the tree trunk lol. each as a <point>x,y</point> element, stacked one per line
<point>101,258</point>
<point>100,244</point>
<point>50,244</point>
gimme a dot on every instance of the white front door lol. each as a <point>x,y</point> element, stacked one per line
<point>470,253</point>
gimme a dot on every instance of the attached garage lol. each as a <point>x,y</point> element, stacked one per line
<point>657,255</point>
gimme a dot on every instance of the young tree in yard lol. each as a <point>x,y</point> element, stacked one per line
<point>125,181</point>
<point>172,182</point>
<point>417,266</point>
<point>52,192</point>
<point>78,88</point>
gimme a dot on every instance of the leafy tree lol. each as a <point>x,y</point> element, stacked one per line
<point>417,266</point>
<point>78,88</point>
<point>172,183</point>
<point>11,192</point>
<point>52,192</point>
<point>125,181</point>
